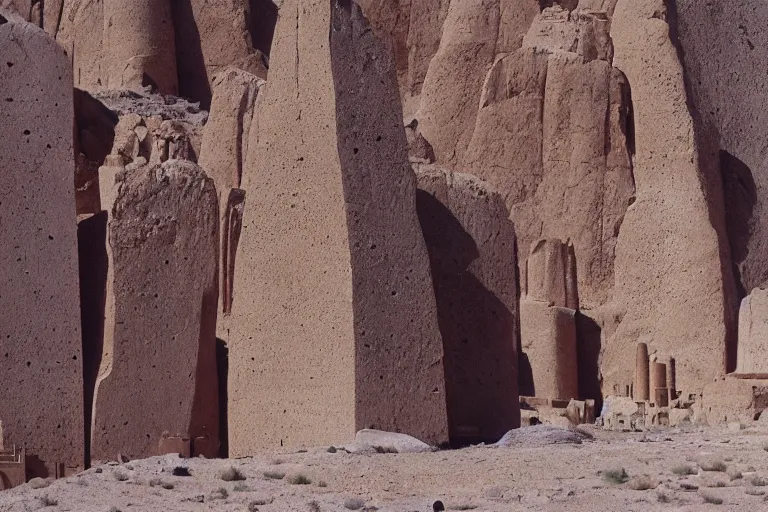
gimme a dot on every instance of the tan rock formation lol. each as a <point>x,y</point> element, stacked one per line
<point>672,280</point>
<point>80,32</point>
<point>550,274</point>
<point>211,36</point>
<point>641,389</point>
<point>223,154</point>
<point>471,244</point>
<point>548,342</point>
<point>474,32</point>
<point>753,333</point>
<point>41,398</point>
<point>139,48</point>
<point>728,400</point>
<point>336,325</point>
<point>158,369</point>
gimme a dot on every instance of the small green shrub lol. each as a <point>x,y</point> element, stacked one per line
<point>300,480</point>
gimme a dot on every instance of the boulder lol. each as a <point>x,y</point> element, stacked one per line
<point>158,366</point>
<point>41,399</point>
<point>542,435</point>
<point>336,325</point>
<point>376,441</point>
<point>471,245</point>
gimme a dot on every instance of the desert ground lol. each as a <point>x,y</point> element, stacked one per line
<point>728,471</point>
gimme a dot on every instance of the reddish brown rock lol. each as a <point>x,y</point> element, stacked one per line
<point>41,399</point>
<point>158,369</point>
<point>336,324</point>
<point>471,245</point>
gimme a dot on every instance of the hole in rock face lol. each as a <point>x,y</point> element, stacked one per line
<point>3,20</point>
<point>262,18</point>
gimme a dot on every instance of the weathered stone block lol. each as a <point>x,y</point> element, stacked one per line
<point>334,327</point>
<point>471,244</point>
<point>41,398</point>
<point>548,340</point>
<point>732,399</point>
<point>158,368</point>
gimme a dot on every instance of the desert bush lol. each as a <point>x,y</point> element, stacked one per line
<point>713,500</point>
<point>354,504</point>
<point>684,470</point>
<point>274,475</point>
<point>615,476</point>
<point>300,480</point>
<point>716,465</point>
<point>232,474</point>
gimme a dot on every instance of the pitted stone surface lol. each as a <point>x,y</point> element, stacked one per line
<point>41,398</point>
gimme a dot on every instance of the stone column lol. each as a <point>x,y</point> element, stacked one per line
<point>671,379</point>
<point>658,379</point>
<point>139,47</point>
<point>641,373</point>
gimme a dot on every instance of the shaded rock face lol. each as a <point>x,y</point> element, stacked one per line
<point>723,48</point>
<point>337,311</point>
<point>471,245</point>
<point>41,398</point>
<point>158,365</point>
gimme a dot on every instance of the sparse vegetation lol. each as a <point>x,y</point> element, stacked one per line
<point>260,502</point>
<point>713,500</point>
<point>462,507</point>
<point>232,474</point>
<point>332,449</point>
<point>720,483</point>
<point>253,506</point>
<point>155,482</point>
<point>47,501</point>
<point>754,492</point>
<point>300,480</point>
<point>322,483</point>
<point>277,462</point>
<point>274,475</point>
<point>354,504</point>
<point>662,497</point>
<point>758,481</point>
<point>115,509</point>
<point>684,470</point>
<point>735,475</point>
<point>241,487</point>
<point>220,494</point>
<point>314,506</point>
<point>120,476</point>
<point>716,465</point>
<point>616,476</point>
<point>642,483</point>
<point>689,487</point>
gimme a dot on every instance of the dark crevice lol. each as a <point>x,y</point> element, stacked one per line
<point>262,19</point>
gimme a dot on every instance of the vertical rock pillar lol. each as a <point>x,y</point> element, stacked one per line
<point>41,392</point>
<point>334,324</point>
<point>659,383</point>
<point>548,321</point>
<point>139,45</point>
<point>641,373</point>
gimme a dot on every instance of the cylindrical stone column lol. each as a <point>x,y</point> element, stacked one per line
<point>642,392</point>
<point>671,379</point>
<point>139,47</point>
<point>658,378</point>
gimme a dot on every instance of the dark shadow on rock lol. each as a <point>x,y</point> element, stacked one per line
<point>36,468</point>
<point>740,193</point>
<point>93,263</point>
<point>222,364</point>
<point>262,19</point>
<point>477,330</point>
<point>525,375</point>
<point>190,61</point>
<point>589,334</point>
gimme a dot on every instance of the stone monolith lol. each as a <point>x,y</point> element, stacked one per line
<point>335,327</point>
<point>471,244</point>
<point>642,374</point>
<point>753,333</point>
<point>41,399</point>
<point>138,45</point>
<point>158,368</point>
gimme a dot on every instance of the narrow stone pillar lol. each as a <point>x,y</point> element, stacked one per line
<point>658,378</point>
<point>641,373</point>
<point>671,379</point>
<point>139,47</point>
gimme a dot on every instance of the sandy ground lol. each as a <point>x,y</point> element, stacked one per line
<point>547,478</point>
